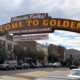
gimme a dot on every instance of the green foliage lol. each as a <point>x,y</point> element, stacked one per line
<point>29,53</point>
<point>22,53</point>
<point>34,54</point>
<point>52,57</point>
<point>3,54</point>
<point>19,52</point>
<point>41,55</point>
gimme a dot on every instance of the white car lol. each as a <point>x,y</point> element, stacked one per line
<point>38,65</point>
<point>9,65</point>
<point>25,65</point>
<point>74,74</point>
<point>50,64</point>
<point>56,64</point>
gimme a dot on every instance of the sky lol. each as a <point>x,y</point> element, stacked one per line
<point>66,9</point>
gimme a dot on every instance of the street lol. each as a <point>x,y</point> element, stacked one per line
<point>33,73</point>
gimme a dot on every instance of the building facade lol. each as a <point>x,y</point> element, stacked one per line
<point>43,48</point>
<point>58,51</point>
<point>53,49</point>
<point>35,45</point>
<point>7,42</point>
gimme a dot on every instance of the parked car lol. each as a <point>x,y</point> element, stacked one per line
<point>38,65</point>
<point>50,64</point>
<point>56,64</point>
<point>22,65</point>
<point>73,67</point>
<point>74,74</point>
<point>25,65</point>
<point>46,65</point>
<point>19,66</point>
<point>9,65</point>
<point>32,65</point>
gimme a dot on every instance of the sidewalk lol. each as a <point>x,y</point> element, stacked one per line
<point>11,78</point>
<point>35,74</point>
<point>25,76</point>
<point>32,75</point>
<point>43,73</point>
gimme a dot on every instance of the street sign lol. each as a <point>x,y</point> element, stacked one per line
<point>30,37</point>
<point>30,16</point>
<point>31,31</point>
<point>32,26</point>
<point>38,23</point>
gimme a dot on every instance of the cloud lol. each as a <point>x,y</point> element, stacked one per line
<point>66,33</point>
<point>64,38</point>
<point>10,4</point>
<point>7,9</point>
<point>58,9</point>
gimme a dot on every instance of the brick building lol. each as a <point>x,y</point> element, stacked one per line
<point>53,49</point>
<point>62,52</point>
<point>28,44</point>
<point>59,51</point>
<point>33,45</point>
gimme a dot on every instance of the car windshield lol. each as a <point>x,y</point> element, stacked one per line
<point>75,72</point>
<point>39,39</point>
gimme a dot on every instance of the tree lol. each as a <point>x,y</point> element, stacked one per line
<point>52,57</point>
<point>69,60</point>
<point>19,52</point>
<point>41,55</point>
<point>28,53</point>
<point>32,54</point>
<point>35,55</point>
<point>3,55</point>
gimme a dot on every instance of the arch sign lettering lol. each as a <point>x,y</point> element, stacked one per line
<point>38,23</point>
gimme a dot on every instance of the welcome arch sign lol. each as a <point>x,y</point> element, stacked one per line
<point>39,23</point>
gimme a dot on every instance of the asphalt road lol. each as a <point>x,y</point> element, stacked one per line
<point>51,78</point>
<point>35,73</point>
<point>50,70</point>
